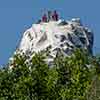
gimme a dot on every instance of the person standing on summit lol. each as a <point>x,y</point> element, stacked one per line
<point>55,16</point>
<point>44,18</point>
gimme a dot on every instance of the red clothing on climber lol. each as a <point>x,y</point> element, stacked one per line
<point>55,16</point>
<point>44,18</point>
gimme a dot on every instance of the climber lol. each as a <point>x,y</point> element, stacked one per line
<point>44,18</point>
<point>55,16</point>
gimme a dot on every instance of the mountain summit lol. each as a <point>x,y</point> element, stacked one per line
<point>59,35</point>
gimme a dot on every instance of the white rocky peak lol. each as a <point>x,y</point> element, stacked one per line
<point>59,35</point>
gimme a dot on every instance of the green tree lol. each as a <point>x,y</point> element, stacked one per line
<point>69,78</point>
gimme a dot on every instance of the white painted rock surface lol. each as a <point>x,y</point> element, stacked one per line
<point>59,35</point>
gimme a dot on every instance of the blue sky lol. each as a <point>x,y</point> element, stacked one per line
<point>18,15</point>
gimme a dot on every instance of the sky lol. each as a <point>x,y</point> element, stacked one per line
<point>16,16</point>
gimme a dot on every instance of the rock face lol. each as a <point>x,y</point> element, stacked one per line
<point>59,35</point>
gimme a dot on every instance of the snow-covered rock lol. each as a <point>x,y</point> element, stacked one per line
<point>59,35</point>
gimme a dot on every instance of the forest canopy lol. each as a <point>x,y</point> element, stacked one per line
<point>69,78</point>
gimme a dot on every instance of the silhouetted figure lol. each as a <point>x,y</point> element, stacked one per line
<point>55,16</point>
<point>44,18</point>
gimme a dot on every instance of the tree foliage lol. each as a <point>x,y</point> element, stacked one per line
<point>69,78</point>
